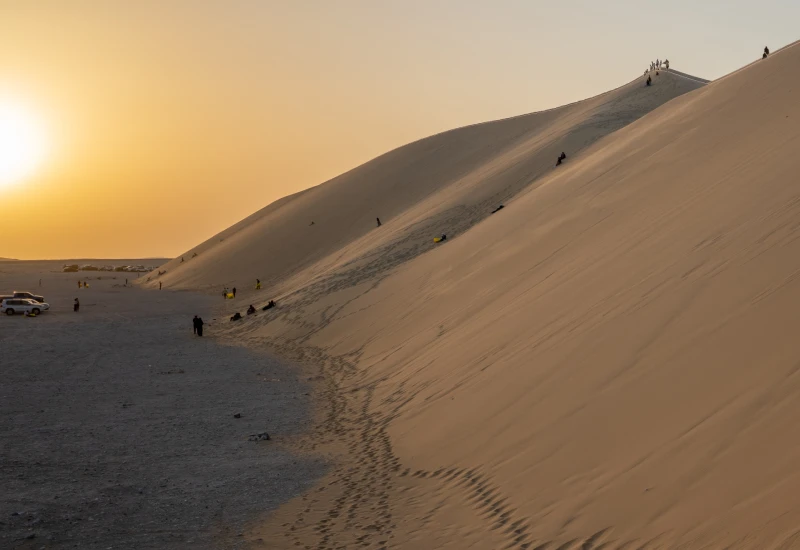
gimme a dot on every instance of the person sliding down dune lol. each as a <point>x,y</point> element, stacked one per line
<point>561,158</point>
<point>236,316</point>
<point>251,310</point>
<point>270,305</point>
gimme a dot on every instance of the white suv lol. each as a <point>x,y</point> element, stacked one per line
<point>10,306</point>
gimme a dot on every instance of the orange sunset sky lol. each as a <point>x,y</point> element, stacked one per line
<point>157,124</point>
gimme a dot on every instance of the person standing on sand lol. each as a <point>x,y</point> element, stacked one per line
<point>194,324</point>
<point>200,326</point>
<point>159,285</point>
<point>379,221</point>
<point>76,306</point>
<point>233,291</point>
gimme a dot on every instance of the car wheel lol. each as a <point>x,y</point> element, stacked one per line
<point>9,312</point>
<point>35,311</point>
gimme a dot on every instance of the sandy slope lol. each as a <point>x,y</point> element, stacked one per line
<point>444,183</point>
<point>610,361</point>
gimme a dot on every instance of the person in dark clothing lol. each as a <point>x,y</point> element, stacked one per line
<point>766,51</point>
<point>649,80</point>
<point>236,316</point>
<point>76,306</point>
<point>270,305</point>
<point>194,324</point>
<point>379,221</point>
<point>159,285</point>
<point>200,326</point>
<point>251,310</point>
<point>233,290</point>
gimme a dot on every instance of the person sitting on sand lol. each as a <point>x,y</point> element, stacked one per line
<point>251,310</point>
<point>236,316</point>
<point>270,305</point>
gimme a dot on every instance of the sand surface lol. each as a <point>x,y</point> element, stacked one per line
<point>608,362</point>
<point>118,425</point>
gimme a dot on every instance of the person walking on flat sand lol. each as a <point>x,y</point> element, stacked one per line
<point>197,323</point>
<point>379,221</point>
<point>76,306</point>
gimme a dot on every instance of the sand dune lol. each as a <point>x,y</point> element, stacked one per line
<point>444,183</point>
<point>608,362</point>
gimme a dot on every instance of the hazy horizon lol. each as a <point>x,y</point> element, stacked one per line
<point>168,123</point>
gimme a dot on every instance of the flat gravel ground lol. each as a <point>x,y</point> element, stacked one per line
<point>117,425</point>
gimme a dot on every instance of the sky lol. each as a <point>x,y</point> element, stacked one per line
<point>164,123</point>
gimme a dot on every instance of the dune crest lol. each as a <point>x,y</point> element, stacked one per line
<point>444,183</point>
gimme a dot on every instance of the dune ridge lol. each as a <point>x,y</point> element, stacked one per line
<point>444,183</point>
<point>608,362</point>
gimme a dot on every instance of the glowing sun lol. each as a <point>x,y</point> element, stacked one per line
<point>22,143</point>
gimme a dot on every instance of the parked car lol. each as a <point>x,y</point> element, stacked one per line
<point>10,306</point>
<point>28,295</point>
